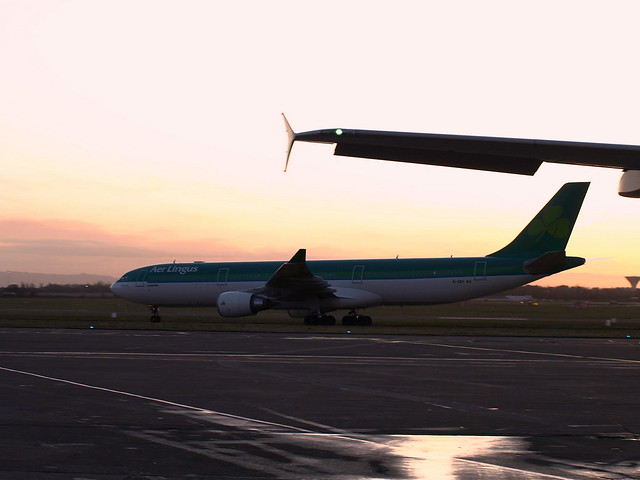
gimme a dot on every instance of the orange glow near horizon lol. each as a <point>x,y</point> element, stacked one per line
<point>164,140</point>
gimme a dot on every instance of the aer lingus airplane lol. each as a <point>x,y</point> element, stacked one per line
<point>495,154</point>
<point>311,289</point>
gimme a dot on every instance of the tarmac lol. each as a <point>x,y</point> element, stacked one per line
<point>101,404</point>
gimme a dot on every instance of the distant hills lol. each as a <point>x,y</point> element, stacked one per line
<point>37,279</point>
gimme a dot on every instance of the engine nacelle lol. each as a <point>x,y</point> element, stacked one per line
<point>241,304</point>
<point>629,185</point>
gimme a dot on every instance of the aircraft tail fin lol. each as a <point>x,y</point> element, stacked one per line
<point>550,229</point>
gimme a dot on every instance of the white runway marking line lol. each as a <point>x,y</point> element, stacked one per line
<point>156,400</point>
<point>250,358</point>
<point>353,436</point>
<point>528,473</point>
<point>222,454</point>
<point>297,466</point>
<point>547,354</point>
<point>246,357</point>
<point>335,431</point>
<point>292,470</point>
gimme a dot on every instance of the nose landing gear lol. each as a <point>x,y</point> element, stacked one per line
<point>155,316</point>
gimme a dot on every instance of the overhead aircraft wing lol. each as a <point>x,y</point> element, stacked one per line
<point>495,154</point>
<point>294,279</point>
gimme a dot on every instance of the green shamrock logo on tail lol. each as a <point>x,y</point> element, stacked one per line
<point>550,222</point>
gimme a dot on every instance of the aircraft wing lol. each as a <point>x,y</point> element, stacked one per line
<point>509,155</point>
<point>294,280</point>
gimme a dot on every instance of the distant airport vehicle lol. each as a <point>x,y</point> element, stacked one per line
<point>507,155</point>
<point>312,289</point>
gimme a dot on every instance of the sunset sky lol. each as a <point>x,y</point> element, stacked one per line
<point>142,131</point>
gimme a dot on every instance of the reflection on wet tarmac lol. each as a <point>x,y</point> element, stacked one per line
<point>447,457</point>
<point>446,410</point>
<point>285,451</point>
<point>478,457</point>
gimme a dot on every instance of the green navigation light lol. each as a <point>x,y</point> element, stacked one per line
<point>339,131</point>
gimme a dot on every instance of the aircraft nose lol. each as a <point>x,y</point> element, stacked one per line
<point>116,289</point>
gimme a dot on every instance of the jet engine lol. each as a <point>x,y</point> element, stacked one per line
<point>629,185</point>
<point>241,304</point>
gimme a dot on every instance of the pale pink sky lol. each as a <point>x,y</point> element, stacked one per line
<point>143,131</point>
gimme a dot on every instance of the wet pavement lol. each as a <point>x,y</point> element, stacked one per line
<point>175,405</point>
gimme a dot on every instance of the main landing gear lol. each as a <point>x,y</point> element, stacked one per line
<point>155,316</point>
<point>354,319</point>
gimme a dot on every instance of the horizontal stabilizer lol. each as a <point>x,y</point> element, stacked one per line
<point>548,263</point>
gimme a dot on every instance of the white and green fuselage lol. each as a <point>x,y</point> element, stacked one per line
<point>316,287</point>
<point>393,281</point>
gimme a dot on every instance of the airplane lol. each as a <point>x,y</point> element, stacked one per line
<point>312,289</point>
<point>495,154</point>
